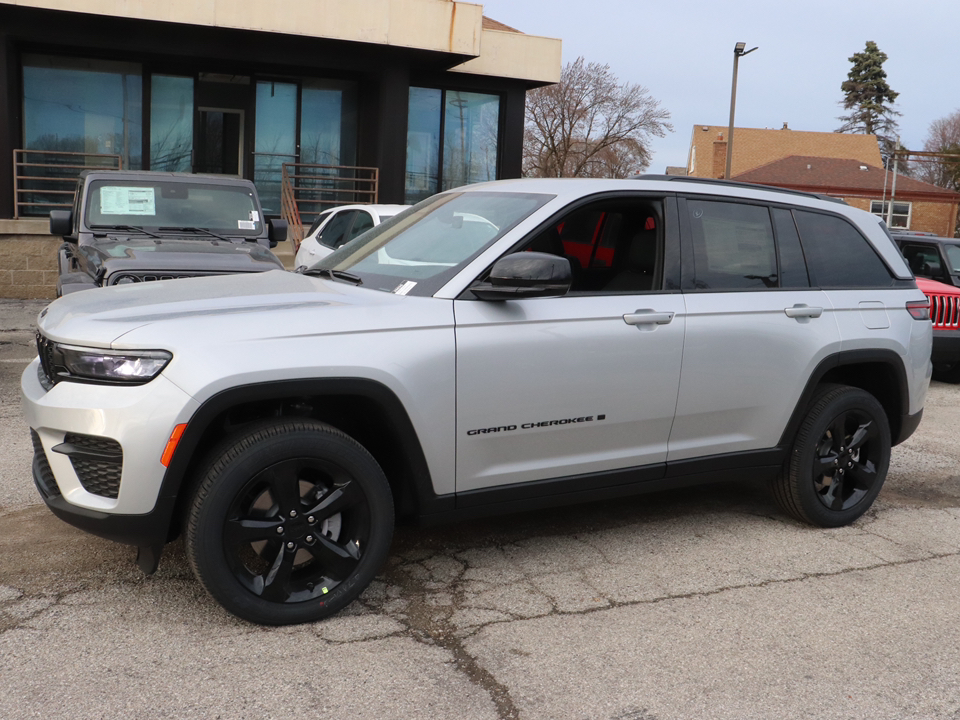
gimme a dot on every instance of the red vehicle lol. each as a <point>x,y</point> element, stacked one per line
<point>945,314</point>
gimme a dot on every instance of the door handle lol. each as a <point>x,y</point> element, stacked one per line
<point>648,317</point>
<point>803,311</point>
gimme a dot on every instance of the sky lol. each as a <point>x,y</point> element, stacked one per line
<point>682,52</point>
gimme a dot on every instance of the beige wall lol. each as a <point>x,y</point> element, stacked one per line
<point>435,25</point>
<point>28,259</point>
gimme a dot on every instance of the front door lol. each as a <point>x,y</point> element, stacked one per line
<point>219,141</point>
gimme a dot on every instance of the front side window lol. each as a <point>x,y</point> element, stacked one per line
<point>901,212</point>
<point>159,205</point>
<point>420,249</point>
<point>953,257</point>
<point>924,260</point>
<point>838,256</point>
<point>733,246</point>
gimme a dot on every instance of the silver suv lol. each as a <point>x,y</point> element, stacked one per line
<point>496,348</point>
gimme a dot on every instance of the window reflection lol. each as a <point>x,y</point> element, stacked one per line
<point>276,139</point>
<point>171,123</point>
<point>470,133</point>
<point>423,144</point>
<point>80,105</point>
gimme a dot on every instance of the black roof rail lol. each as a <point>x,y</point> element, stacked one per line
<point>736,183</point>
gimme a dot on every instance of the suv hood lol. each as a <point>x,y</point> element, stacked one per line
<point>172,313</point>
<point>197,254</point>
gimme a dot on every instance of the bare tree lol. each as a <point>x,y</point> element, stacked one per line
<point>590,125</point>
<point>943,136</point>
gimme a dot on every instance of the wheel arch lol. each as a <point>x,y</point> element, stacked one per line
<point>879,372</point>
<point>367,410</point>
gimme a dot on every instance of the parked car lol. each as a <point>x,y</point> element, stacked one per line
<point>130,226</point>
<point>945,314</point>
<point>929,256</point>
<point>340,225</point>
<point>505,346</point>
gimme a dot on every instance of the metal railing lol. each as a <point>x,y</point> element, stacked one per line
<point>44,180</point>
<point>307,189</point>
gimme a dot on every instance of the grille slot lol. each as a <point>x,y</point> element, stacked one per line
<point>98,462</point>
<point>945,311</point>
<point>42,474</point>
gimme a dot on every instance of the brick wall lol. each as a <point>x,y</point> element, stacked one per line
<point>932,217</point>
<point>28,259</point>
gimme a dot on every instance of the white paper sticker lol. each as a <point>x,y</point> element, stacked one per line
<point>119,200</point>
<point>404,287</point>
<point>246,225</point>
<point>254,216</point>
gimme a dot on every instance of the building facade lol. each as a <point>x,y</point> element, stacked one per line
<point>428,93</point>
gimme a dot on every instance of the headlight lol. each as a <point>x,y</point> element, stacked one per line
<point>82,364</point>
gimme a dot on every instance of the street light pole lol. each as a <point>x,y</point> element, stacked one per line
<point>738,50</point>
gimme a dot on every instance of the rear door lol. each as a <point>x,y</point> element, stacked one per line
<point>755,328</point>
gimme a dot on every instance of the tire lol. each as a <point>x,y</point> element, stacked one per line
<point>839,458</point>
<point>947,372</point>
<point>290,522</point>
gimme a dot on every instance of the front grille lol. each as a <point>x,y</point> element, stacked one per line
<point>98,462</point>
<point>42,475</point>
<point>47,372</point>
<point>945,311</point>
<point>135,277</point>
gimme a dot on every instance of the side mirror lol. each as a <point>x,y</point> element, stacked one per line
<point>61,222</point>
<point>526,275</point>
<point>276,231</point>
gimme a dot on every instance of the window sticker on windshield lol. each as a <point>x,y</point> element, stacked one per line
<point>246,225</point>
<point>254,216</point>
<point>119,200</point>
<point>404,287</point>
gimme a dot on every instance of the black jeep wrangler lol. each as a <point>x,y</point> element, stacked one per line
<point>133,226</point>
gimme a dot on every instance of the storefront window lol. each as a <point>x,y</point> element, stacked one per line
<point>276,139</point>
<point>171,123</point>
<point>470,133</point>
<point>469,124</point>
<point>80,105</point>
<point>328,122</point>
<point>423,143</point>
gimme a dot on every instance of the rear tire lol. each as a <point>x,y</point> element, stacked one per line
<point>839,458</point>
<point>290,522</point>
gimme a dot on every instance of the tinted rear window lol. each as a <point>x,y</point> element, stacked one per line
<point>838,256</point>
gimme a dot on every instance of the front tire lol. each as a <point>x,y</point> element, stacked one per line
<point>291,521</point>
<point>947,372</point>
<point>839,458</point>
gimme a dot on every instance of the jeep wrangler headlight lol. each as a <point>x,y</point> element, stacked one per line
<point>112,366</point>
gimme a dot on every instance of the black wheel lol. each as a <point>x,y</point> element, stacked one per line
<point>839,458</point>
<point>947,372</point>
<point>290,522</point>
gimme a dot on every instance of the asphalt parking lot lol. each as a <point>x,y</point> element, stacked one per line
<point>701,603</point>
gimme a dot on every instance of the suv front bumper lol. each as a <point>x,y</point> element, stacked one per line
<point>138,418</point>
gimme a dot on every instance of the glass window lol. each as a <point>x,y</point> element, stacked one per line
<point>901,212</point>
<point>953,257</point>
<point>229,210</point>
<point>328,122</point>
<point>420,249</point>
<point>85,106</point>
<point>423,144</point>
<point>334,233</point>
<point>361,224</point>
<point>733,245</point>
<point>171,123</point>
<point>838,256</point>
<point>924,260</point>
<point>276,139</point>
<point>470,134</point>
<point>793,267</point>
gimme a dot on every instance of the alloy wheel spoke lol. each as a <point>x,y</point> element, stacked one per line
<point>341,498</point>
<point>834,496</point>
<point>863,433</point>
<point>338,560</point>
<point>248,530</point>
<point>823,465</point>
<point>285,486</point>
<point>863,475</point>
<point>838,431</point>
<point>275,581</point>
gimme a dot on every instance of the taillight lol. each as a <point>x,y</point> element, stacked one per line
<point>919,309</point>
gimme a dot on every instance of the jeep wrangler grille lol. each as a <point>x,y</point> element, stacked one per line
<point>944,311</point>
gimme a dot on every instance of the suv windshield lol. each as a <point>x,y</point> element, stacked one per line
<point>171,205</point>
<point>420,249</point>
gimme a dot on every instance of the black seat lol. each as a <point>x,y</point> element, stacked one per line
<point>636,263</point>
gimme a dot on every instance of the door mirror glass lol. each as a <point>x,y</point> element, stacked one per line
<point>526,275</point>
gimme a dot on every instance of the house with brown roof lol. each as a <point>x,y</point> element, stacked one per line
<point>842,165</point>
<point>916,205</point>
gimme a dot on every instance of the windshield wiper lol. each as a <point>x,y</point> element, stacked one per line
<point>194,230</point>
<point>335,275</point>
<point>133,228</point>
